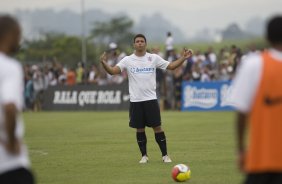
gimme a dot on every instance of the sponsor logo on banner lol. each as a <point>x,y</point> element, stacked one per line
<point>86,97</point>
<point>225,91</point>
<point>214,96</point>
<point>89,97</point>
<point>203,97</point>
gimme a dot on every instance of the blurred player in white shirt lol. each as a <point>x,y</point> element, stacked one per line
<point>257,96</point>
<point>14,162</point>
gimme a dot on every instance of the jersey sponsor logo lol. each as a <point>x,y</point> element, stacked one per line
<point>142,70</point>
<point>272,101</point>
<point>149,58</point>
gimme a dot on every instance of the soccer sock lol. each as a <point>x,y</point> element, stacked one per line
<point>161,140</point>
<point>142,142</point>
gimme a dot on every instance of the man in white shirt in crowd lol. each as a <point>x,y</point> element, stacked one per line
<point>14,162</point>
<point>144,108</point>
<point>169,44</point>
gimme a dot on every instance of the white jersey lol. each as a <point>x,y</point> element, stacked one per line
<point>247,79</point>
<point>11,91</point>
<point>141,73</point>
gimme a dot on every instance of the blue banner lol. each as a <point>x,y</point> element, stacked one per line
<point>205,96</point>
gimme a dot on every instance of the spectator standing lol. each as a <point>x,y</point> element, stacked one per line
<point>169,42</point>
<point>71,77</point>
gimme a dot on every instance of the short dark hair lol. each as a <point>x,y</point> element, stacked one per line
<point>7,24</point>
<point>139,36</point>
<point>274,30</point>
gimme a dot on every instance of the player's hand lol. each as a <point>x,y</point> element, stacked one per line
<point>103,57</point>
<point>13,147</point>
<point>241,161</point>
<point>187,53</point>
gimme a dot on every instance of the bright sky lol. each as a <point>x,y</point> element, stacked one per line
<point>188,15</point>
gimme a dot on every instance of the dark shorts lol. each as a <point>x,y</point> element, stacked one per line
<point>18,176</point>
<point>146,113</point>
<point>264,178</point>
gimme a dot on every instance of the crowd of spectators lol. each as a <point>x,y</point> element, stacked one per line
<point>203,66</point>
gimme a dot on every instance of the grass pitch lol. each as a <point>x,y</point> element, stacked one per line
<point>100,148</point>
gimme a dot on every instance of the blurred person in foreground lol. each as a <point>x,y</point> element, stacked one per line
<point>257,96</point>
<point>144,108</point>
<point>14,162</point>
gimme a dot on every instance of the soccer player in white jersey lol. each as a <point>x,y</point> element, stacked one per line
<point>144,108</point>
<point>14,162</point>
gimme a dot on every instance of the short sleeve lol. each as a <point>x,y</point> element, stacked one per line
<point>245,84</point>
<point>160,62</point>
<point>122,64</point>
<point>12,86</point>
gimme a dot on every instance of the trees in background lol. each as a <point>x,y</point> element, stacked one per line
<point>54,46</point>
<point>67,49</point>
<point>117,30</point>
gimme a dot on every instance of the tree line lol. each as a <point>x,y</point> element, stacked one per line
<point>67,49</point>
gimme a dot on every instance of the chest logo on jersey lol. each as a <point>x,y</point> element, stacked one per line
<point>142,70</point>
<point>150,58</point>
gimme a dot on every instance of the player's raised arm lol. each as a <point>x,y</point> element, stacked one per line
<point>187,53</point>
<point>113,70</point>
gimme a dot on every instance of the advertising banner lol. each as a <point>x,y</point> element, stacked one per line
<point>86,97</point>
<point>205,96</point>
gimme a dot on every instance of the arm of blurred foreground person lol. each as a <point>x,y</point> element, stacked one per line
<point>241,121</point>
<point>12,144</point>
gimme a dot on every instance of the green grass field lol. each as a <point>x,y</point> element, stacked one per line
<point>100,148</point>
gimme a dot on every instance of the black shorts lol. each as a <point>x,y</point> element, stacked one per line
<point>17,176</point>
<point>264,178</point>
<point>146,113</point>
